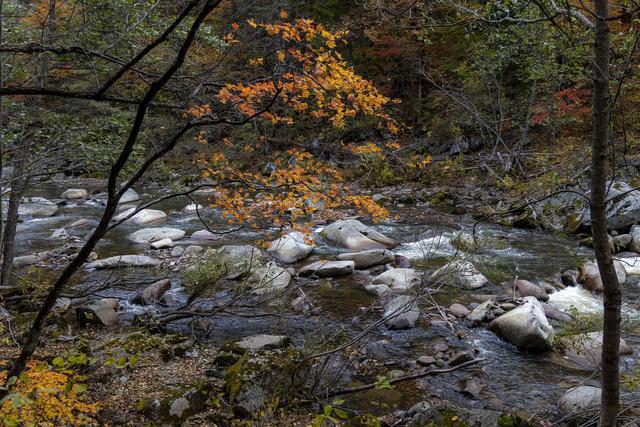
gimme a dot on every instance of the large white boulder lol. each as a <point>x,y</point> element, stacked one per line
<point>75,193</point>
<point>150,235</point>
<point>290,248</point>
<point>354,235</point>
<point>401,312</point>
<point>123,261</point>
<point>146,216</point>
<point>37,207</point>
<point>525,326</point>
<point>459,273</point>
<point>399,279</point>
<point>205,235</point>
<point>129,196</point>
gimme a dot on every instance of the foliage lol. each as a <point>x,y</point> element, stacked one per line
<point>202,278</point>
<point>45,397</point>
<point>331,414</point>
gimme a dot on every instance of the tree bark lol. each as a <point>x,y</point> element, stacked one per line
<point>18,186</point>
<point>600,162</point>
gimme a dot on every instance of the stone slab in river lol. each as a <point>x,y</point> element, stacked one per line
<point>123,261</point>
<point>354,235</point>
<point>290,248</point>
<point>146,216</point>
<point>37,207</point>
<point>264,342</point>
<point>74,193</point>
<point>399,279</point>
<point>129,196</point>
<point>366,259</point>
<point>525,326</point>
<point>150,235</point>
<point>327,269</point>
<point>203,235</point>
<point>460,273</point>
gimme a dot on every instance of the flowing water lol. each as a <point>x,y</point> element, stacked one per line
<point>520,379</point>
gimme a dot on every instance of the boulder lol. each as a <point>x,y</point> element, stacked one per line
<point>59,234</point>
<point>555,314</point>
<point>401,312</point>
<point>152,293</point>
<point>290,248</point>
<point>589,275</point>
<point>146,216</point>
<point>147,236</point>
<point>129,196</point>
<point>124,214</point>
<point>622,242</point>
<point>192,250</point>
<point>177,252</point>
<point>24,260</point>
<point>399,279</point>
<point>525,326</point>
<point>354,235</point>
<point>367,259</point>
<point>585,350</point>
<point>74,193</point>
<point>238,260</point>
<point>378,290</point>
<point>623,210</point>
<point>202,235</point>
<point>482,311</point>
<point>459,273</point>
<point>192,208</point>
<point>123,261</point>
<point>524,288</point>
<point>631,265</point>
<point>101,312</point>
<point>263,342</point>
<point>635,238</point>
<point>269,278</point>
<point>327,269</point>
<point>580,402</point>
<point>459,310</point>
<point>162,244</point>
<point>78,224</point>
<point>37,207</point>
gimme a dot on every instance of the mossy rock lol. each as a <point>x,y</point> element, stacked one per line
<point>366,420</point>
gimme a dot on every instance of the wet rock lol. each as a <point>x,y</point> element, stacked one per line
<point>555,314</point>
<point>327,269</point>
<point>401,312</point>
<point>569,277</point>
<point>78,224</point>
<point>147,216</point>
<point>580,402</point>
<point>150,235</point>
<point>192,208</point>
<point>525,326</point>
<point>459,310</point>
<point>193,250</point>
<point>589,275</point>
<point>524,288</point>
<point>205,235</point>
<point>177,252</point>
<point>446,415</point>
<point>24,260</point>
<point>62,305</point>
<point>129,196</point>
<point>152,293</point>
<point>126,213</point>
<point>37,207</point>
<point>460,357</point>
<point>426,360</point>
<point>378,290</point>
<point>482,311</point>
<point>74,193</point>
<point>162,244</point>
<point>290,248</point>
<point>401,261</point>
<point>585,350</point>
<point>367,259</point>
<point>269,278</point>
<point>123,261</point>
<point>101,312</point>
<point>238,260</point>
<point>399,279</point>
<point>354,235</point>
<point>459,273</point>
<point>622,242</point>
<point>263,342</point>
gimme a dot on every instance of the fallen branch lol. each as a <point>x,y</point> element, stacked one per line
<point>422,374</point>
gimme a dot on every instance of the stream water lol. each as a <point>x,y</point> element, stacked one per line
<point>531,382</point>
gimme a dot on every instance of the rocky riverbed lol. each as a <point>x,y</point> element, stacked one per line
<point>428,294</point>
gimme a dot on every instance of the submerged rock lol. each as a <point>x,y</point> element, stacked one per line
<point>150,235</point>
<point>401,312</point>
<point>146,216</point>
<point>152,293</point>
<point>525,326</point>
<point>459,273</point>
<point>327,269</point>
<point>367,259</point>
<point>290,248</point>
<point>354,235</point>
<point>399,279</point>
<point>123,261</point>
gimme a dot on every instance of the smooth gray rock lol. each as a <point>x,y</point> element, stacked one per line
<point>163,244</point>
<point>367,259</point>
<point>37,207</point>
<point>147,216</point>
<point>290,248</point>
<point>238,260</point>
<point>123,261</point>
<point>399,279</point>
<point>74,193</point>
<point>269,277</point>
<point>525,326</point>
<point>129,196</point>
<point>524,288</point>
<point>150,235</point>
<point>327,269</point>
<point>459,310</point>
<point>580,402</point>
<point>378,290</point>
<point>102,312</point>
<point>401,312</point>
<point>263,342</point>
<point>354,235</point>
<point>152,293</point>
<point>205,235</point>
<point>459,273</point>
<point>585,350</point>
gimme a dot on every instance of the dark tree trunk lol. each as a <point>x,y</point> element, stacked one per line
<point>18,186</point>
<point>600,163</point>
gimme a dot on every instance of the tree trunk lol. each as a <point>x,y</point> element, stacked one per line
<point>18,186</point>
<point>600,161</point>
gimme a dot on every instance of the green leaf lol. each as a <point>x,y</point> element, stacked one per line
<point>327,410</point>
<point>58,362</point>
<point>341,413</point>
<point>338,401</point>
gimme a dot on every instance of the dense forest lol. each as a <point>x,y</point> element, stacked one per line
<point>319,213</point>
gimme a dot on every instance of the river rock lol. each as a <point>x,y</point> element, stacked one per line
<point>580,402</point>
<point>459,310</point>
<point>481,312</point>
<point>74,193</point>
<point>622,242</point>
<point>524,288</point>
<point>460,273</point>
<point>177,252</point>
<point>399,279</point>
<point>193,250</point>
<point>290,248</point>
<point>327,269</point>
<point>378,290</point>
<point>129,196</point>
<point>238,260</point>
<point>146,216</point>
<point>269,278</point>
<point>101,312</point>
<point>525,326</point>
<point>123,261</point>
<point>78,224</point>
<point>555,314</point>
<point>354,235</point>
<point>24,260</point>
<point>124,214</point>
<point>401,312</point>
<point>448,415</point>
<point>37,207</point>
<point>263,342</point>
<point>205,235</point>
<point>192,208</point>
<point>367,259</point>
<point>152,293</point>
<point>589,275</point>
<point>59,234</point>
<point>162,244</point>
<point>585,350</point>
<point>150,235</point>
<point>622,210</point>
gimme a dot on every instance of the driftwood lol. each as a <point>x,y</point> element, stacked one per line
<point>426,373</point>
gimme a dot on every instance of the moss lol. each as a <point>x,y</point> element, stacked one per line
<point>235,377</point>
<point>225,360</point>
<point>366,420</point>
<point>506,420</point>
